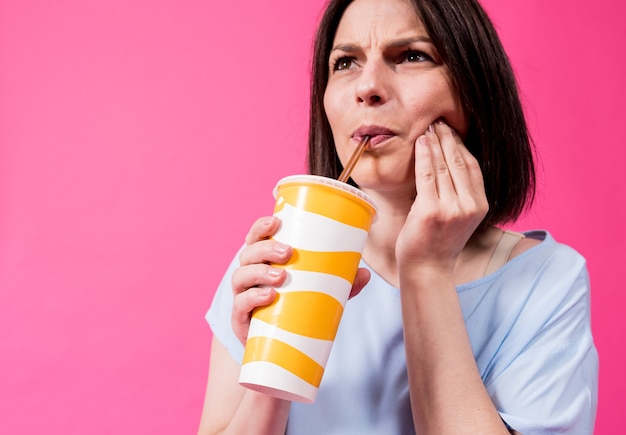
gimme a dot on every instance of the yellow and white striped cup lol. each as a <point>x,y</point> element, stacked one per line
<point>326,222</point>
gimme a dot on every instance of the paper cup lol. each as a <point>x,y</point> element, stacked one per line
<point>326,222</point>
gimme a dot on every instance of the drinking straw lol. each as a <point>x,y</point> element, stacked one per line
<point>345,174</point>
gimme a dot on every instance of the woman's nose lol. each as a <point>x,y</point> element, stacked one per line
<point>371,87</point>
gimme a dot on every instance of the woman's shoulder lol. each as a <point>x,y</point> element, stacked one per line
<point>538,259</point>
<point>539,244</point>
<point>552,269</point>
<point>533,288</point>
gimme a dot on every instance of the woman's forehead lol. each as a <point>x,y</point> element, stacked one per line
<point>375,21</point>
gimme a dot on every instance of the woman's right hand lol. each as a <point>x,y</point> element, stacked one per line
<point>254,281</point>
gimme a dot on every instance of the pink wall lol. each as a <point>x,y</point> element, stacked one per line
<point>138,141</point>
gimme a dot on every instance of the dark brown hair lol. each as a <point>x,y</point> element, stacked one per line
<point>497,133</point>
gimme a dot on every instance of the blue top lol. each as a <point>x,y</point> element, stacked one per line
<point>529,327</point>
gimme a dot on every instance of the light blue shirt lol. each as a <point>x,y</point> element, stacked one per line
<point>529,327</point>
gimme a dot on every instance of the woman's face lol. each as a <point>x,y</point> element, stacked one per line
<point>386,80</point>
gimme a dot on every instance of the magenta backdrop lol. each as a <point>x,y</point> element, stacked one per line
<point>139,140</point>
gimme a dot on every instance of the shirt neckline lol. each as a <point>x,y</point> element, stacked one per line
<point>541,235</point>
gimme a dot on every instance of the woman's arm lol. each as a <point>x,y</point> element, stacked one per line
<point>447,393</point>
<point>232,409</point>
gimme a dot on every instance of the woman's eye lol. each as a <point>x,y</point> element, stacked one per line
<point>343,63</point>
<point>416,56</point>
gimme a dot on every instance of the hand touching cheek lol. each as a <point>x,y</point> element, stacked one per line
<point>450,202</point>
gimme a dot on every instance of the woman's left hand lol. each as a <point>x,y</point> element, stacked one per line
<point>450,202</point>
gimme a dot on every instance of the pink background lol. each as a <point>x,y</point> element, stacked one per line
<point>140,139</point>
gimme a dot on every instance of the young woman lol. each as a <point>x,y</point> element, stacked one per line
<point>458,326</point>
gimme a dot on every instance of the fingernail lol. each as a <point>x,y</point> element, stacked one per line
<point>422,140</point>
<point>279,248</point>
<point>268,221</point>
<point>264,291</point>
<point>431,128</point>
<point>274,272</point>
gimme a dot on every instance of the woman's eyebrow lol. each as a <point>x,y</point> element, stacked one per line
<point>348,48</point>
<point>402,42</point>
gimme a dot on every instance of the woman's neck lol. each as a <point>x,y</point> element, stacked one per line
<point>380,249</point>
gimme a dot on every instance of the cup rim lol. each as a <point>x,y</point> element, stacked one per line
<point>326,181</point>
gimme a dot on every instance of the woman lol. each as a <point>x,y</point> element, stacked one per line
<point>462,327</point>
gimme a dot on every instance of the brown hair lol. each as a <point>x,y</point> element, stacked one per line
<point>497,133</point>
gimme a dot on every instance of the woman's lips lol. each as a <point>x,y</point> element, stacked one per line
<point>376,140</point>
<point>376,133</point>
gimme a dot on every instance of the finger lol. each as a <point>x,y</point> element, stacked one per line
<point>474,171</point>
<point>265,251</point>
<point>439,136</point>
<point>262,229</point>
<point>455,159</point>
<point>255,275</point>
<point>243,304</point>
<point>425,179</point>
<point>463,166</point>
<point>362,278</point>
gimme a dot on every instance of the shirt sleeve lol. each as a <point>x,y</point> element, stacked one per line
<point>550,385</point>
<point>219,314</point>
